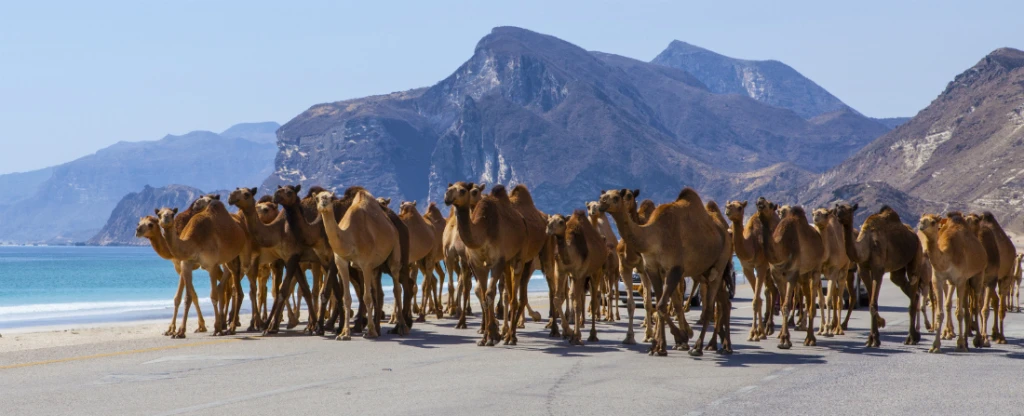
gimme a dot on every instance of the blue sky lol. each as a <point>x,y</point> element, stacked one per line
<point>78,76</point>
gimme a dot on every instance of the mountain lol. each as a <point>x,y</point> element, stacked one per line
<point>16,187</point>
<point>265,132</point>
<point>72,204</point>
<point>534,109</point>
<point>962,151</point>
<point>892,122</point>
<point>771,82</point>
<point>120,227</point>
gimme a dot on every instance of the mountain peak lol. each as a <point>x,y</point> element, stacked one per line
<point>260,132</point>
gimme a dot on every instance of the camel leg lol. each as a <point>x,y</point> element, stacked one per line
<point>217,276</point>
<point>901,279</point>
<point>948,331</point>
<point>307,295</point>
<point>627,278</point>
<point>490,324</point>
<point>370,300</point>
<point>939,288</point>
<point>962,319</point>
<point>516,282</point>
<point>812,285</point>
<point>1004,297</point>
<point>595,301</point>
<point>696,287</point>
<point>177,300</point>
<point>784,342</point>
<point>723,321</point>
<point>398,314</point>
<point>237,296</point>
<point>854,297</point>
<point>345,333</point>
<point>712,286</point>
<point>648,286</point>
<point>755,303</point>
<point>428,275</point>
<point>982,338</point>
<point>683,332</point>
<point>875,281</point>
<point>771,295</point>
<point>186,274</point>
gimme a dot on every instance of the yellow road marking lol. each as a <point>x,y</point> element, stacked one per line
<point>113,354</point>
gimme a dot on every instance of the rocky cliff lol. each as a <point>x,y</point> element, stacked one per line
<point>120,227</point>
<point>534,109</point>
<point>771,82</point>
<point>962,151</point>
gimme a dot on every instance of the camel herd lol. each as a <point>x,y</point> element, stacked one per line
<point>499,239</point>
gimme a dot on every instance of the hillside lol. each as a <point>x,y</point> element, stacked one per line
<point>963,150</point>
<point>771,82</point>
<point>531,108</point>
<point>120,227</point>
<point>74,202</point>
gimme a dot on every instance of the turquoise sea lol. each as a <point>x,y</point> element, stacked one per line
<point>42,286</point>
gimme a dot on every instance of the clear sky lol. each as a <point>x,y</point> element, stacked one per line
<point>78,76</point>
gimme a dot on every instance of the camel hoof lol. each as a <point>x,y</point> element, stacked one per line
<point>344,338</point>
<point>682,347</point>
<point>179,335</point>
<point>827,335</point>
<point>934,350</point>
<point>630,340</point>
<point>810,342</point>
<point>490,343</point>
<point>696,352</point>
<point>986,344</point>
<point>593,338</point>
<point>536,316</point>
<point>421,319</point>
<point>783,346</point>
<point>977,342</point>
<point>961,349</point>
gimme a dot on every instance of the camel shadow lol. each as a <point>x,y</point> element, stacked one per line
<point>856,346</point>
<point>765,357</point>
<point>431,340</point>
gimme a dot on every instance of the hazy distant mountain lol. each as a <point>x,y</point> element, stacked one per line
<point>531,108</point>
<point>892,122</point>
<point>120,227</point>
<point>265,132</point>
<point>771,82</point>
<point>16,187</point>
<point>73,203</point>
<point>964,150</point>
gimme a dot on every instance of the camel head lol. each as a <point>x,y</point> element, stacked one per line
<point>407,207</point>
<point>646,207</point>
<point>384,202</point>
<point>166,216</point>
<point>242,197</point>
<point>593,208</point>
<point>734,210</point>
<point>617,200</point>
<point>783,211</point>
<point>765,207</point>
<point>929,225</point>
<point>844,212</point>
<point>287,195</point>
<point>556,225</point>
<point>821,216</point>
<point>325,202</point>
<point>266,211</point>
<point>149,226</point>
<point>476,194</point>
<point>460,194</point>
<point>204,201</point>
<point>973,222</point>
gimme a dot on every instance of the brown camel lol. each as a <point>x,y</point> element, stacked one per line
<point>956,255</point>
<point>1017,273</point>
<point>149,228</point>
<point>722,304</point>
<point>796,253</point>
<point>366,238</point>
<point>582,255</point>
<point>998,275</point>
<point>600,222</point>
<point>884,245</point>
<point>680,240</point>
<point>768,216</point>
<point>630,259</point>
<point>748,244</point>
<point>457,262</point>
<point>212,237</point>
<point>537,253</point>
<point>438,221</point>
<point>421,247</point>
<point>494,234</point>
<point>835,268</point>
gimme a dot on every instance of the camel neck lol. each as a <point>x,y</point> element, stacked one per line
<point>851,248</point>
<point>160,247</point>
<point>335,236</point>
<point>177,247</point>
<point>739,242</point>
<point>630,232</point>
<point>298,225</point>
<point>465,225</point>
<point>563,249</point>
<point>259,231</point>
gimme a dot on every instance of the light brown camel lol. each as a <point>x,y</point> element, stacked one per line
<point>1017,274</point>
<point>366,238</point>
<point>835,266</point>
<point>956,255</point>
<point>582,254</point>
<point>768,216</point>
<point>796,253</point>
<point>998,275</point>
<point>630,259</point>
<point>537,253</point>
<point>438,221</point>
<point>494,234</point>
<point>722,304</point>
<point>456,262</point>
<point>212,237</point>
<point>884,244</point>
<point>748,243</point>
<point>149,228</point>
<point>600,222</point>
<point>680,240</point>
<point>421,247</point>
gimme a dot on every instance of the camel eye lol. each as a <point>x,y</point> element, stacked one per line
<point>462,191</point>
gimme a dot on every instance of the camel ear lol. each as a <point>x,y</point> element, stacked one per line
<point>174,210</point>
<point>744,204</point>
<point>483,186</point>
<point>413,203</point>
<point>387,201</point>
<point>278,186</point>
<point>253,191</point>
<point>636,193</point>
<point>298,188</point>
<point>855,206</point>
<point>156,211</point>
<point>217,197</point>
<point>450,184</point>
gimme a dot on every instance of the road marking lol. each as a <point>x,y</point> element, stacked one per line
<point>114,354</point>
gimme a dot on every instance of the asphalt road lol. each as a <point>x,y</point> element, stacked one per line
<point>440,370</point>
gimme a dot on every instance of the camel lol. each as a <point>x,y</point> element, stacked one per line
<point>630,259</point>
<point>796,253</point>
<point>212,237</point>
<point>748,244</point>
<point>421,247</point>
<point>582,254</point>
<point>149,228</point>
<point>456,262</point>
<point>645,209</point>
<point>679,240</point>
<point>1017,280</point>
<point>366,238</point>
<point>835,266</point>
<point>537,253</point>
<point>722,304</point>
<point>438,221</point>
<point>998,275</point>
<point>600,222</point>
<point>883,245</point>
<point>956,255</point>
<point>494,234</point>
<point>767,215</point>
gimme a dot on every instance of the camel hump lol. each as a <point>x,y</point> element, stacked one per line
<point>487,212</point>
<point>711,206</point>
<point>265,199</point>
<point>798,211</point>
<point>521,195</point>
<point>499,191</point>
<point>988,217</point>
<point>314,190</point>
<point>885,208</point>
<point>688,194</point>
<point>352,191</point>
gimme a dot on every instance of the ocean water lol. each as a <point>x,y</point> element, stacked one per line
<point>42,286</point>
